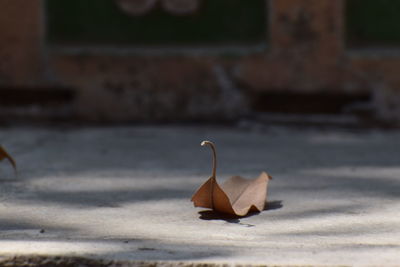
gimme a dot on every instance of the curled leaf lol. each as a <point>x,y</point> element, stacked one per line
<point>237,195</point>
<point>4,155</point>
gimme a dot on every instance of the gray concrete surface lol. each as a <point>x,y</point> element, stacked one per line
<point>122,193</point>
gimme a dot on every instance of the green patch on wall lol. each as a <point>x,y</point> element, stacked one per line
<point>373,22</point>
<point>101,22</point>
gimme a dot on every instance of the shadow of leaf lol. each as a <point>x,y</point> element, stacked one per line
<point>273,205</point>
<point>214,215</point>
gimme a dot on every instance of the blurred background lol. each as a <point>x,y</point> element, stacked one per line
<point>200,60</point>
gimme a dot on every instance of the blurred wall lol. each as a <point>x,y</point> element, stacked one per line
<point>55,62</point>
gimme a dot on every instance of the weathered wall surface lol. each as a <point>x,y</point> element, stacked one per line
<point>151,87</point>
<point>305,53</point>
<point>21,43</point>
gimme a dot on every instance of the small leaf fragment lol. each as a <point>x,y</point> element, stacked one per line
<point>237,195</point>
<point>4,155</point>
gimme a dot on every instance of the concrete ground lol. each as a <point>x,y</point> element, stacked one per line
<point>122,194</point>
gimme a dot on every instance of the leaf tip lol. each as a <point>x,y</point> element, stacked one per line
<point>204,143</point>
<point>269,177</point>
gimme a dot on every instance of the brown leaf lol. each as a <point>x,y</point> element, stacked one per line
<point>5,155</point>
<point>237,195</point>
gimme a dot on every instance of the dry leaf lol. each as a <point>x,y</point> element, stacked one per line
<point>237,195</point>
<point>5,155</point>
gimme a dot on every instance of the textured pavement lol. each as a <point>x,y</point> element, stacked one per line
<point>123,193</point>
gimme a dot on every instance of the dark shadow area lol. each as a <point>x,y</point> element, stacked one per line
<point>371,23</point>
<point>30,106</point>
<point>209,215</point>
<point>14,225</point>
<point>304,103</point>
<point>18,97</point>
<point>214,215</point>
<point>241,22</point>
<point>273,205</point>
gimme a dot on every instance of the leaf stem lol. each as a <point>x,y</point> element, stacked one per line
<point>214,167</point>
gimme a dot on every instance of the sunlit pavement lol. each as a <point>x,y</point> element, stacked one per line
<point>123,193</point>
